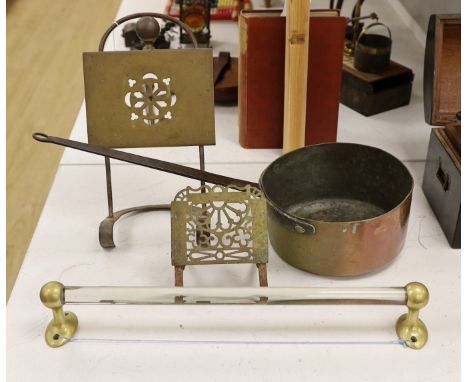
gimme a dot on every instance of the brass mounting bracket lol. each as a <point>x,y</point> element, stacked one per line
<point>64,324</point>
<point>409,327</point>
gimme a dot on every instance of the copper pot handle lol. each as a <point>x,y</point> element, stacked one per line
<point>299,225</point>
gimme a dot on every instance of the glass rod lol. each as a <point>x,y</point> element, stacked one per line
<point>226,296</point>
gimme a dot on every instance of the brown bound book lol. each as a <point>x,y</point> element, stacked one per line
<point>261,77</point>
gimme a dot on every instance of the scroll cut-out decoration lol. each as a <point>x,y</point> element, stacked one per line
<point>150,99</point>
<point>219,225</point>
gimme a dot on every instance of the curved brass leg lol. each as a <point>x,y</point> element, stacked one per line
<point>409,327</point>
<point>106,228</point>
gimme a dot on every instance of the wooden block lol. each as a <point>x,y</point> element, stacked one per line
<point>369,93</point>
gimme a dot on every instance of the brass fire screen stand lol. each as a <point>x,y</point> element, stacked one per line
<point>151,110</point>
<point>409,328</point>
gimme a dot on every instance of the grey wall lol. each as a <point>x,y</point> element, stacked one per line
<point>422,9</point>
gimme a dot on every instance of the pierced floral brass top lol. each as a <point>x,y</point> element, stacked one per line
<point>219,225</point>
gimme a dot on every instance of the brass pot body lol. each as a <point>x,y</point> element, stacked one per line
<point>337,209</point>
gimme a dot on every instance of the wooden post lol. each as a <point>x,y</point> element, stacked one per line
<point>295,78</point>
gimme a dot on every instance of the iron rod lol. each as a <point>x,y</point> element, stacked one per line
<point>156,164</point>
<point>110,201</point>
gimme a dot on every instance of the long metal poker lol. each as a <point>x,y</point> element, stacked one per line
<point>140,160</point>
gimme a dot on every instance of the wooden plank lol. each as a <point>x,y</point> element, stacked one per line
<point>45,41</point>
<point>295,79</point>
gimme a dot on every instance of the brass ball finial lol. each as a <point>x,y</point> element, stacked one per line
<point>418,295</point>
<point>52,295</point>
<point>147,30</point>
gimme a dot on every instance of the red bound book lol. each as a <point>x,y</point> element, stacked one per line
<point>261,77</point>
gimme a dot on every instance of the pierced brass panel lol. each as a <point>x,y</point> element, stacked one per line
<point>149,98</point>
<point>219,225</point>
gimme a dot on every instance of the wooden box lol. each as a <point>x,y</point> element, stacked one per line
<point>442,90</point>
<point>369,93</point>
<point>442,74</point>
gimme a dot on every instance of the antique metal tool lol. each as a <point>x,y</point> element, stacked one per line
<point>353,29</point>
<point>336,209</point>
<point>153,163</point>
<point>354,25</point>
<point>63,326</point>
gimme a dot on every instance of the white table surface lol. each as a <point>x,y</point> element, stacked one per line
<point>65,248</point>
